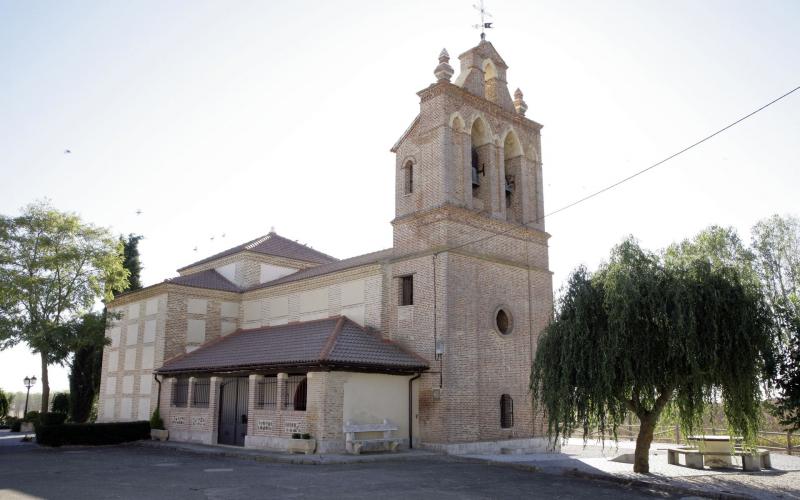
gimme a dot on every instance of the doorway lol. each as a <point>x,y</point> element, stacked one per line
<point>233,396</point>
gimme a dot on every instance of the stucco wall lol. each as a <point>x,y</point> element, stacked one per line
<point>369,398</point>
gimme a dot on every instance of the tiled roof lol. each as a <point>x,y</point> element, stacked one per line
<point>335,342</point>
<point>206,279</point>
<point>341,265</point>
<point>272,244</point>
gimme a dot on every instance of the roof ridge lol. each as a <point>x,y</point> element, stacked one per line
<point>257,241</point>
<point>328,347</point>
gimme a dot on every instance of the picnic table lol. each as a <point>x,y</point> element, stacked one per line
<point>720,449</point>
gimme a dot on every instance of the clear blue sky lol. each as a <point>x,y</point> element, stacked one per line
<point>232,117</point>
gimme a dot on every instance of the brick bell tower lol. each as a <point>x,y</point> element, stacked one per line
<point>470,267</point>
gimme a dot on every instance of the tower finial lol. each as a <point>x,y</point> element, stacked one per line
<point>443,71</point>
<point>519,103</point>
<point>484,25</point>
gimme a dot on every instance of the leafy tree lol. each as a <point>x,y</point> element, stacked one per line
<point>647,329</point>
<point>86,366</point>
<point>53,266</point>
<point>776,243</point>
<point>61,403</point>
<point>131,262</point>
<point>6,398</point>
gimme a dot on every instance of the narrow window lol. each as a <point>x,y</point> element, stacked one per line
<point>267,393</point>
<point>200,392</point>
<point>407,291</point>
<point>180,392</point>
<point>409,178</point>
<point>476,180</point>
<point>506,412</point>
<point>296,391</point>
<point>509,190</point>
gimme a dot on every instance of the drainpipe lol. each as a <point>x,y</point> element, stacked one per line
<point>158,401</point>
<point>411,410</point>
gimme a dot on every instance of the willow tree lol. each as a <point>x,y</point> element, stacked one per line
<point>644,331</point>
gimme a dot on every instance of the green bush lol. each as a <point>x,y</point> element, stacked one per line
<point>155,420</point>
<point>15,425</point>
<point>32,416</point>
<point>7,422</point>
<point>5,403</point>
<point>52,418</point>
<point>92,434</point>
<point>60,403</point>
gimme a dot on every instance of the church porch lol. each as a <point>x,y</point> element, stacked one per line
<point>272,395</point>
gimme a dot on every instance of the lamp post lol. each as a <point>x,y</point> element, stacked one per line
<point>29,382</point>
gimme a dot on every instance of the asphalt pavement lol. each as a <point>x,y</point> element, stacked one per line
<point>135,472</point>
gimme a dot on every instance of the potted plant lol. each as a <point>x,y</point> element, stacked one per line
<point>302,442</point>
<point>30,421</point>
<point>157,430</point>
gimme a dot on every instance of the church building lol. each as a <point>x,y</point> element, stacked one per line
<point>434,336</point>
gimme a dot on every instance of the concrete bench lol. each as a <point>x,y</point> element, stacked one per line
<point>354,444</point>
<point>751,462</point>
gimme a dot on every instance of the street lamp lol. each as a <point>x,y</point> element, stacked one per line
<point>29,382</point>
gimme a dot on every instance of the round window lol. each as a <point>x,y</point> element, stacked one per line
<point>502,321</point>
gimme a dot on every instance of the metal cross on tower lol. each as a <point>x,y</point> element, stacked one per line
<point>484,25</point>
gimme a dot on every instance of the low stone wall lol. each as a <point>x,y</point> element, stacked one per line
<point>191,425</point>
<point>531,445</point>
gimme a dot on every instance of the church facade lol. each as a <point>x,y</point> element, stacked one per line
<point>435,335</point>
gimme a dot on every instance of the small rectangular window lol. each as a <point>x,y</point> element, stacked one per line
<point>407,291</point>
<point>201,390</point>
<point>267,394</point>
<point>180,392</point>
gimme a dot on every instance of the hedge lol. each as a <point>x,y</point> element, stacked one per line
<point>92,434</point>
<point>52,418</point>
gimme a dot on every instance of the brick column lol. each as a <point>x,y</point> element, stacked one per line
<point>189,401</point>
<point>315,404</point>
<point>168,386</point>
<point>251,402</point>
<point>213,407</point>
<point>281,389</point>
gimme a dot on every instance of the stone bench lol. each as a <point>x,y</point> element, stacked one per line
<point>354,444</point>
<point>751,462</point>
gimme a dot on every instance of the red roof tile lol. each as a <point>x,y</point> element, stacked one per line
<point>272,244</point>
<point>206,279</point>
<point>333,343</point>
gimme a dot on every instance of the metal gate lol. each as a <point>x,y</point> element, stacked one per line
<point>233,397</point>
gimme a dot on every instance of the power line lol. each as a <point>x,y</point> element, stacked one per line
<point>634,175</point>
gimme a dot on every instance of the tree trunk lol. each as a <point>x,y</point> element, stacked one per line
<point>647,426</point>
<point>45,385</point>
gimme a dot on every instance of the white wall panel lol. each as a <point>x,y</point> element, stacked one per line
<point>147,357</point>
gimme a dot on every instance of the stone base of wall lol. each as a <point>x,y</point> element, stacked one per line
<point>267,442</point>
<point>530,445</point>
<point>202,437</point>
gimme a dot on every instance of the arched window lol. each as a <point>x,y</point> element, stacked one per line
<point>480,136</point>
<point>295,392</point>
<point>512,166</point>
<point>506,412</point>
<point>300,395</point>
<point>408,178</point>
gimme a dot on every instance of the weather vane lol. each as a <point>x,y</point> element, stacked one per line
<point>484,25</point>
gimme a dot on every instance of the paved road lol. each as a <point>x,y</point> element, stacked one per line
<point>130,472</point>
